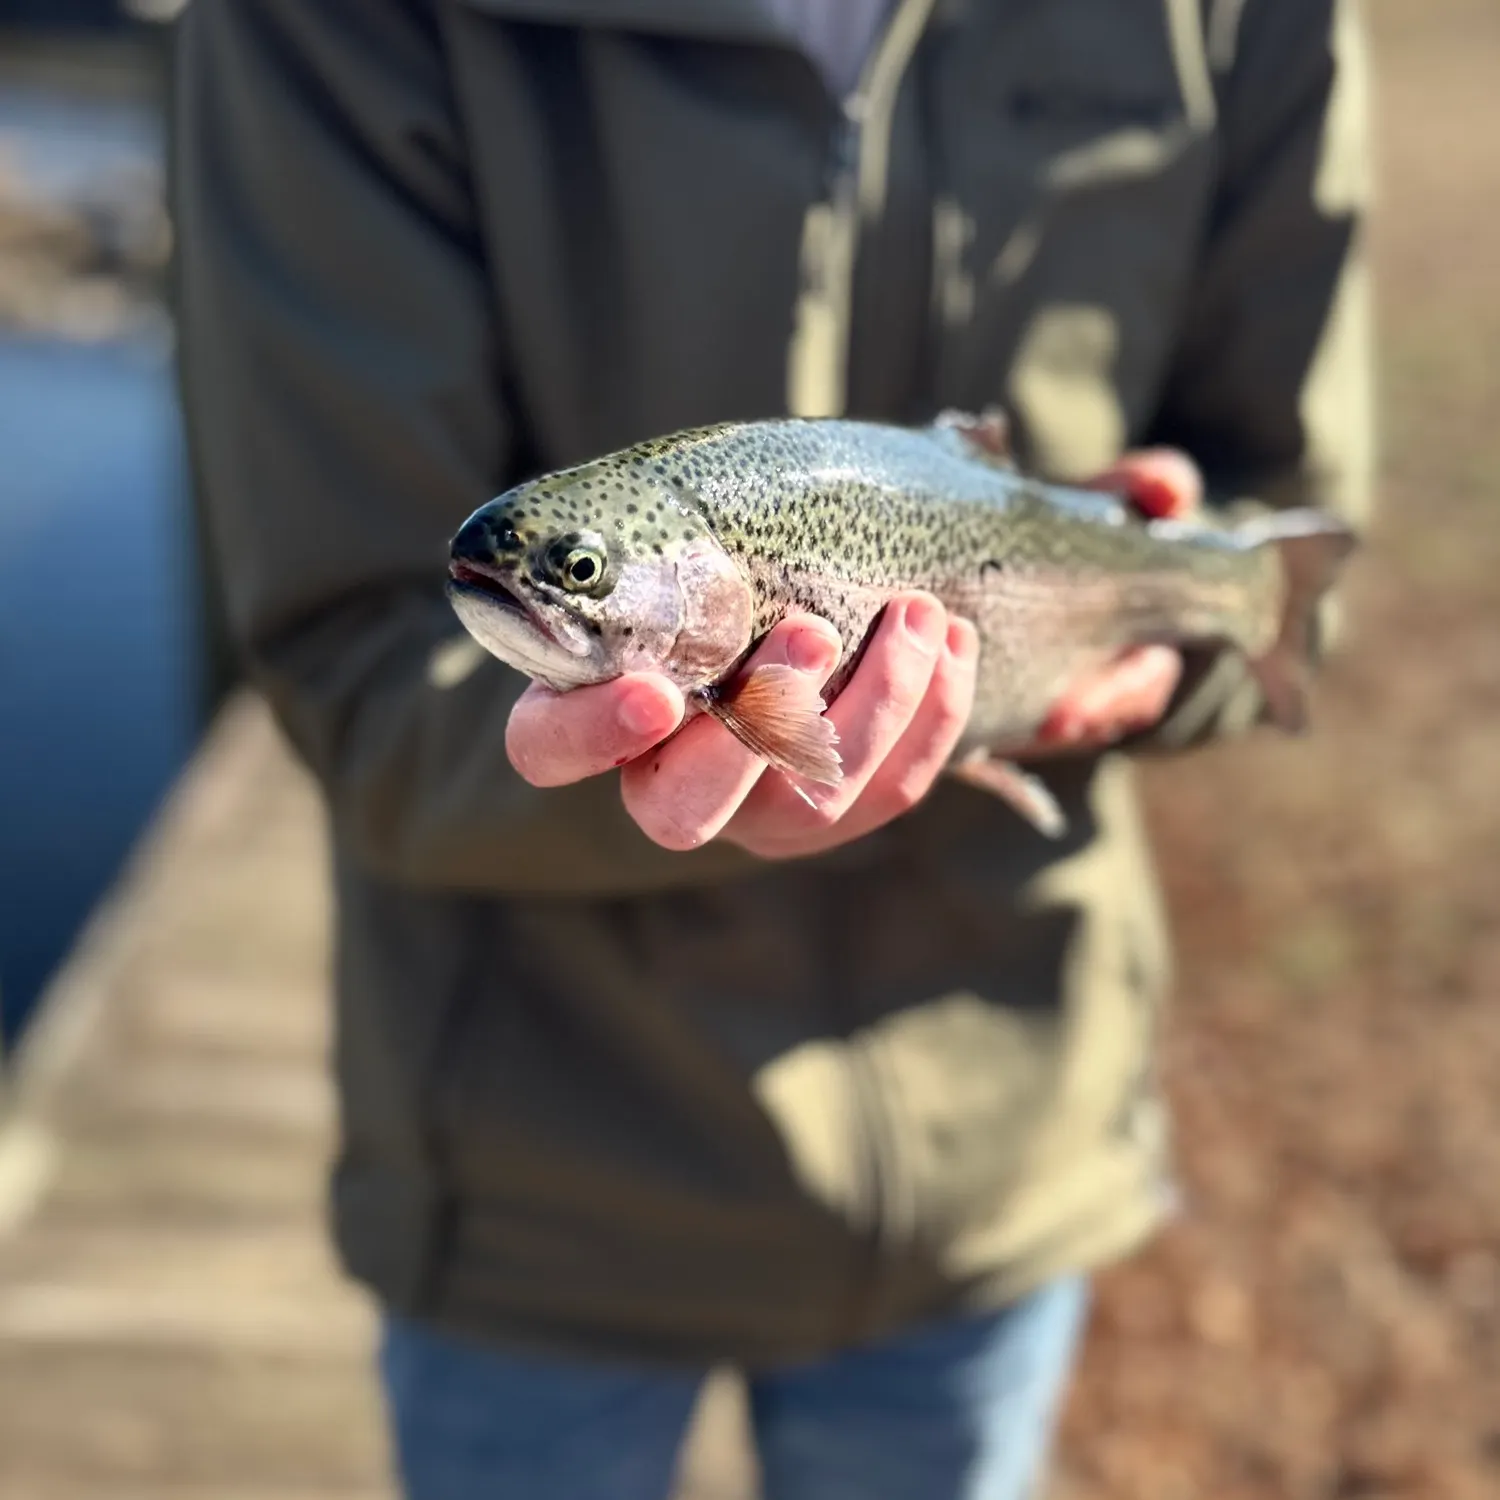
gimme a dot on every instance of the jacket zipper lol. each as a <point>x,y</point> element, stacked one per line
<point>818,386</point>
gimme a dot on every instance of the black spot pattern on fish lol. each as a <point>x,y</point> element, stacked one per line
<point>833,517</point>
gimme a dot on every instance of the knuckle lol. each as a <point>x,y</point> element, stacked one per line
<point>758,844</point>
<point>908,692</point>
<point>899,692</point>
<point>908,788</point>
<point>826,814</point>
<point>753,830</point>
<point>659,821</point>
<point>800,821</point>
<point>912,666</point>
<point>950,715</point>
<point>900,669</point>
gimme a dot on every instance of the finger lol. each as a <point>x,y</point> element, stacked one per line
<point>903,778</point>
<point>1130,694</point>
<point>871,715</point>
<point>1159,482</point>
<point>554,739</point>
<point>688,789</point>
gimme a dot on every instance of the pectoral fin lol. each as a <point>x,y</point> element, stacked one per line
<point>778,713</point>
<point>1026,793</point>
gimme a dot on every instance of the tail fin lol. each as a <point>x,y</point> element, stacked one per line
<point>1312,545</point>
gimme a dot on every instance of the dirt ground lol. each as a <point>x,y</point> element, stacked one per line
<point>1325,1320</point>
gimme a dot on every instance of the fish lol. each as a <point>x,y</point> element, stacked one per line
<point>677,555</point>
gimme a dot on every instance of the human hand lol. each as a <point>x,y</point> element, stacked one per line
<point>898,721</point>
<point>1133,691</point>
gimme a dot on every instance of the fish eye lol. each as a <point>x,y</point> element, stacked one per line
<point>578,564</point>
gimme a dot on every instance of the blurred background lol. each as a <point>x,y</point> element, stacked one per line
<point>100,646</point>
<point>1324,1322</point>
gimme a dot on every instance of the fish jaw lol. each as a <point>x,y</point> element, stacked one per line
<point>555,652</point>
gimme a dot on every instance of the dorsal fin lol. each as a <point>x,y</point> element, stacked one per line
<point>984,436</point>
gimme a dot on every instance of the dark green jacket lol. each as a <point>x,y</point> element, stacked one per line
<point>596,1094</point>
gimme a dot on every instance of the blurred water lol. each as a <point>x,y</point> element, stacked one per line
<point>97,632</point>
<point>99,639</point>
<point>66,145</point>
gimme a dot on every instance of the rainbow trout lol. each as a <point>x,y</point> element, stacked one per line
<point>679,554</point>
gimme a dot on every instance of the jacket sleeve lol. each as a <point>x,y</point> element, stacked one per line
<point>347,402</point>
<point>1271,387</point>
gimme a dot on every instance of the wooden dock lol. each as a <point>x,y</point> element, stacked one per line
<point>172,1326</point>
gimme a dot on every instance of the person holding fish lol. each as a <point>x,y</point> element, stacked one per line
<point>747,946</point>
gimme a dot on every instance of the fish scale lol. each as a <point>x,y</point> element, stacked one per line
<point>680,553</point>
<point>806,506</point>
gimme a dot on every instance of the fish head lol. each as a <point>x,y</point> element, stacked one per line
<point>588,574</point>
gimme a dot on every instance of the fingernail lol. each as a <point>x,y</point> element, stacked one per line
<point>643,712</point>
<point>812,652</point>
<point>1061,729</point>
<point>963,640</point>
<point>926,623</point>
<point>1155,496</point>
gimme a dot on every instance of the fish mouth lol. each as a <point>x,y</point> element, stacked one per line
<point>491,583</point>
<point>491,588</point>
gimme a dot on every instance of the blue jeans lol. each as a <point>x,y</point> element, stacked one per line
<point>957,1410</point>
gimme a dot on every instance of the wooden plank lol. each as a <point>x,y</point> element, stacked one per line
<point>28,1158</point>
<point>212,1012</point>
<point>237,1259</point>
<point>77,1314</point>
<point>108,1415</point>
<point>52,1488</point>
<point>250,1093</point>
<point>172,1323</point>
